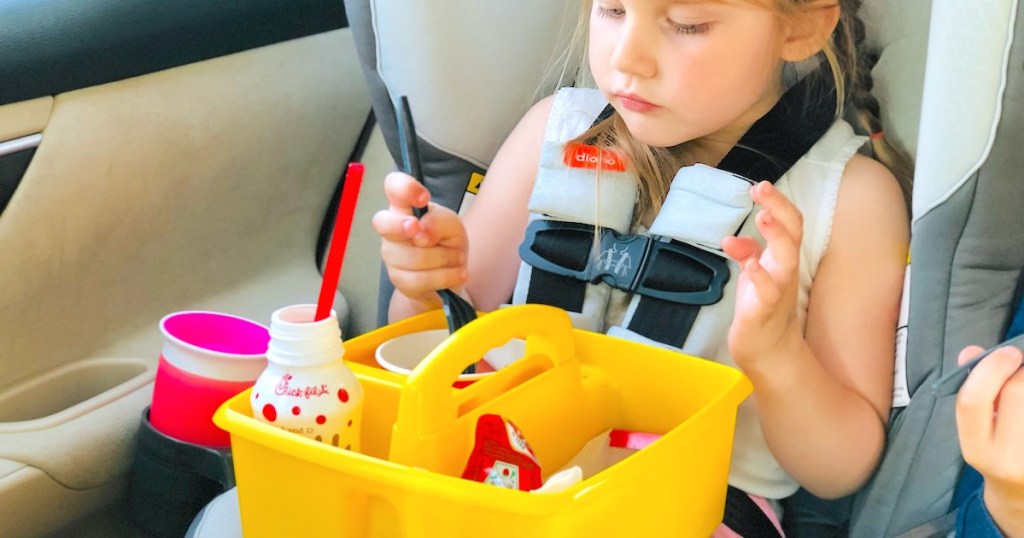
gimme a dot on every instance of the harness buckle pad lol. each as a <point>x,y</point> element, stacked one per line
<point>670,270</point>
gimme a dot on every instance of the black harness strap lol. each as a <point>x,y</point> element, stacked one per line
<point>745,517</point>
<point>777,141</point>
<point>766,152</point>
<point>564,292</point>
<point>554,289</point>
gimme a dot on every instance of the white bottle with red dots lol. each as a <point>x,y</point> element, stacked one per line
<point>307,389</point>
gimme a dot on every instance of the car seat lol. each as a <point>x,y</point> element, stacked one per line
<point>967,249</point>
<point>471,72</point>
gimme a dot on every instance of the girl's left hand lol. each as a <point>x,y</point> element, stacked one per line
<point>766,293</point>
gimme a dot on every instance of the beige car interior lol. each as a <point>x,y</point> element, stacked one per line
<point>201,187</point>
<point>205,186</point>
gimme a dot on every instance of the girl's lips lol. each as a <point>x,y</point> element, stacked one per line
<point>635,103</point>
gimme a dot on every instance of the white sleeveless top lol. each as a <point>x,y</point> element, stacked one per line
<point>812,184</point>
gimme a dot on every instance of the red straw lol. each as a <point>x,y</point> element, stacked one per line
<point>339,238</point>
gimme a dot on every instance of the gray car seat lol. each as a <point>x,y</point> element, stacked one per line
<point>967,249</point>
<point>471,71</point>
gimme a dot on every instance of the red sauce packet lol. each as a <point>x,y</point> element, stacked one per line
<point>502,457</point>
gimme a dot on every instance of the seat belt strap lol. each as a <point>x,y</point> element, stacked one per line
<point>650,321</point>
<point>556,290</point>
<point>704,205</point>
<point>766,152</point>
<point>566,175</point>
<point>745,517</point>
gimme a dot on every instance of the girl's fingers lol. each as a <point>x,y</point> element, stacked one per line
<point>746,251</point>
<point>765,287</point>
<point>421,259</point>
<point>784,248</point>
<point>421,255</point>
<point>741,248</point>
<point>440,226</point>
<point>394,226</point>
<point>976,403</point>
<point>781,209</point>
<point>404,193</point>
<point>418,284</point>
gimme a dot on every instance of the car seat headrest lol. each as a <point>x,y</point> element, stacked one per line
<point>470,70</point>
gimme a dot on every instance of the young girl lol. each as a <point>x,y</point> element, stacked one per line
<point>810,311</point>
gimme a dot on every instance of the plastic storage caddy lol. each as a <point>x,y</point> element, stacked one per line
<point>417,433</point>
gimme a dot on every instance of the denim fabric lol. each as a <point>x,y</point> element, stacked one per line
<point>807,516</point>
<point>974,521</point>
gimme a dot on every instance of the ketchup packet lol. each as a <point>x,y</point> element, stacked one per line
<point>501,456</point>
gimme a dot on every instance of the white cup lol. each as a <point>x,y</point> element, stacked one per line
<point>403,353</point>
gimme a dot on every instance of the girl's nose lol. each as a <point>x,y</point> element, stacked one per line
<point>634,52</point>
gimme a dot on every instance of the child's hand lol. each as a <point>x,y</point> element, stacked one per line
<point>766,292</point>
<point>421,255</point>
<point>990,422</point>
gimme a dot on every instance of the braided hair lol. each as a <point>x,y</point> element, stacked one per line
<point>854,63</point>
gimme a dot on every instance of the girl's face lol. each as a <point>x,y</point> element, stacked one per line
<point>678,70</point>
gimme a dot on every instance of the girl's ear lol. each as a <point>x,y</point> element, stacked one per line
<point>809,29</point>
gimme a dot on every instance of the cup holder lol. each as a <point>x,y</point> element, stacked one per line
<point>171,481</point>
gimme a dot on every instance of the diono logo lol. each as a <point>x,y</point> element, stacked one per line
<point>584,156</point>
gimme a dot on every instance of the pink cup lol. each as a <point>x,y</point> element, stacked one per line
<point>207,358</point>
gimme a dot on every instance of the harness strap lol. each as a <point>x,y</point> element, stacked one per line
<point>556,290</point>
<point>745,517</point>
<point>703,205</point>
<point>567,174</point>
<point>766,152</point>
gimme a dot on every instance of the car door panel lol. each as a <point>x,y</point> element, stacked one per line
<point>199,186</point>
<point>24,118</point>
<point>20,128</point>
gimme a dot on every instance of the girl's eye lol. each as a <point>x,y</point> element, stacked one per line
<point>690,28</point>
<point>610,12</point>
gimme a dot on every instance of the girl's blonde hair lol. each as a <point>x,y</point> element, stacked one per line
<point>655,167</point>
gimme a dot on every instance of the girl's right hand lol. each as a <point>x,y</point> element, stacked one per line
<point>421,255</point>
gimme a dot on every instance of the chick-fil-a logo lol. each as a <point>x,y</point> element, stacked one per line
<point>283,388</point>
